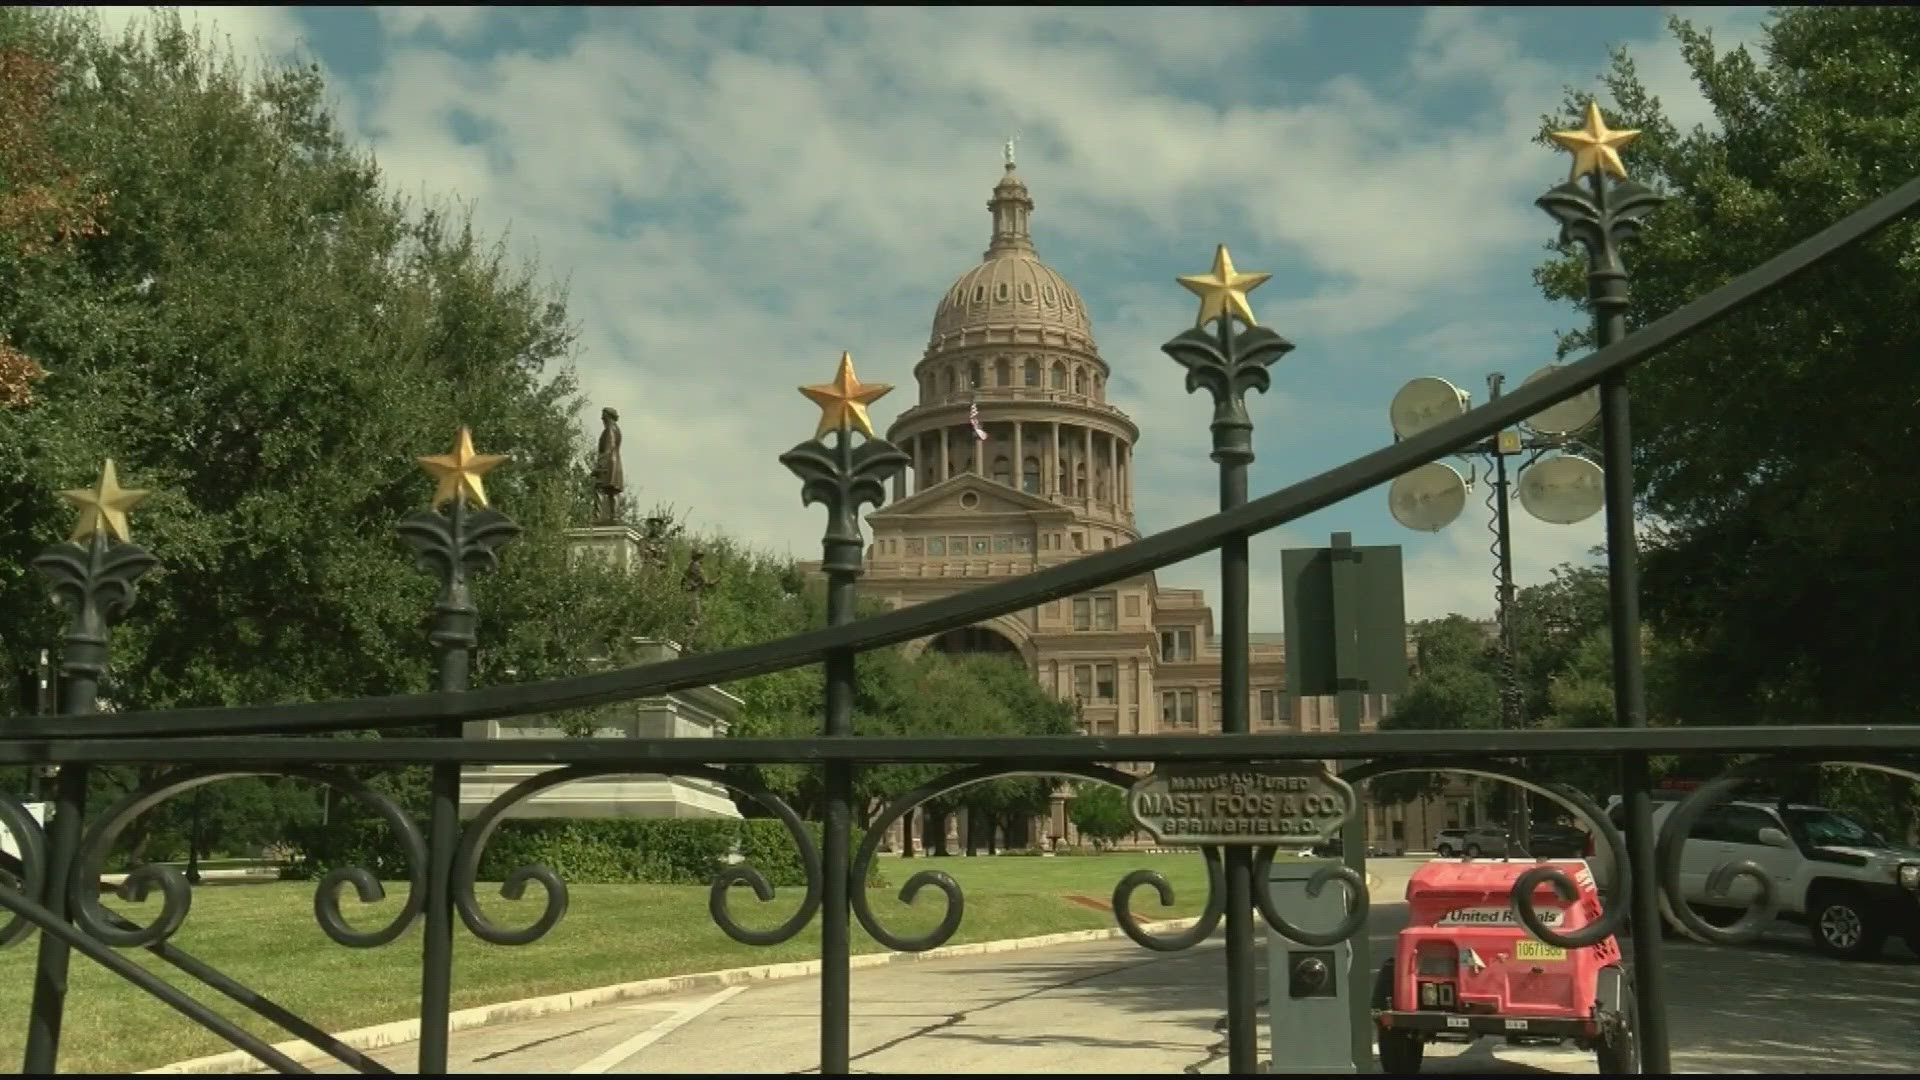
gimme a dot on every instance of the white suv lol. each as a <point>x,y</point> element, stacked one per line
<point>1847,883</point>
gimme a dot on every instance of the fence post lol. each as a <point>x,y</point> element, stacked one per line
<point>1601,216</point>
<point>450,546</point>
<point>1228,364</point>
<point>842,478</point>
<point>95,584</point>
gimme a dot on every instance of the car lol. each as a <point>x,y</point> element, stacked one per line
<point>1466,967</point>
<point>1558,841</point>
<point>1849,885</point>
<point>1472,843</point>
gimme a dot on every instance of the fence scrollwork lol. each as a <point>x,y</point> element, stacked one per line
<point>177,893</point>
<point>32,876</point>
<point>956,898</point>
<point>473,842</point>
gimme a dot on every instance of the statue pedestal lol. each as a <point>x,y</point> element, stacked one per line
<point>621,546</point>
<point>703,713</point>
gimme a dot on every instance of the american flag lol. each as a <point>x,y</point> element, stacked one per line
<point>973,417</point>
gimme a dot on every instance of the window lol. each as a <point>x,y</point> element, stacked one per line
<point>1107,543</point>
<point>1216,710</point>
<point>957,545</point>
<point>1026,291</point>
<point>936,545</point>
<point>1048,292</point>
<point>1059,376</point>
<point>1079,382</point>
<point>979,293</point>
<point>1023,543</point>
<point>974,371</point>
<point>946,377</point>
<point>1079,542</point>
<point>1082,613</point>
<point>1177,709</point>
<point>1103,683</point>
<point>915,546</point>
<point>1083,682</point>
<point>1176,646</point>
<point>1103,612</point>
<point>1270,708</point>
<point>1033,372</point>
<point>1003,471</point>
<point>1080,481</point>
<point>1030,476</point>
<point>1000,291</point>
<point>980,544</point>
<point>1742,825</point>
<point>1002,545</point>
<point>1003,372</point>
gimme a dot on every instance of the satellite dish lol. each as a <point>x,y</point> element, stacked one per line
<point>1570,415</point>
<point>1424,403</point>
<point>1428,498</point>
<point>1563,490</point>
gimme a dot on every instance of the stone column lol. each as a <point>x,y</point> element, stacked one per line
<point>1113,475</point>
<point>1019,460</point>
<point>1054,466</point>
<point>1087,460</point>
<point>946,454</point>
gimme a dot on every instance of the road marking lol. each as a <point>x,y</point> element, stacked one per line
<point>608,1060</point>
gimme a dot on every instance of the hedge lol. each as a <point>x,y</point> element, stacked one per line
<point>583,851</point>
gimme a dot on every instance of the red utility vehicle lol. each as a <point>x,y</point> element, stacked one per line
<point>1466,966</point>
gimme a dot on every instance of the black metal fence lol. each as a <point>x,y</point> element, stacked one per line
<point>94,576</point>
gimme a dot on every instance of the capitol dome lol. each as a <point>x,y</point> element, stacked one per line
<point>1011,288</point>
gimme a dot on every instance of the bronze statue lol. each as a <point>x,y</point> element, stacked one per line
<point>697,585</point>
<point>653,548</point>
<point>609,480</point>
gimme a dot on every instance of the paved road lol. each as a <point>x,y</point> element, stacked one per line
<point>1110,1007</point>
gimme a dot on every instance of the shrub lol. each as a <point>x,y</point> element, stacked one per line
<point>583,851</point>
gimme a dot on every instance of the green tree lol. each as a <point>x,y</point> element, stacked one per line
<point>1100,812</point>
<point>1772,449</point>
<point>232,307</point>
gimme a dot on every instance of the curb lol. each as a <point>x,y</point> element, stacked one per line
<point>398,1032</point>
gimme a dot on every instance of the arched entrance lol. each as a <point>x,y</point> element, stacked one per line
<point>942,834</point>
<point>974,640</point>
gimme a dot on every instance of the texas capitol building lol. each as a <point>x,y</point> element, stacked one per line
<point>1052,480</point>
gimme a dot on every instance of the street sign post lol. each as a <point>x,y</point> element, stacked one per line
<point>1346,636</point>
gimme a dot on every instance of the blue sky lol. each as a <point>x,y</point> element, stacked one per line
<point>736,195</point>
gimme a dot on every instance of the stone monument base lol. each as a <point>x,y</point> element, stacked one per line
<point>636,796</point>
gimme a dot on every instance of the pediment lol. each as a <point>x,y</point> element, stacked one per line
<point>949,497</point>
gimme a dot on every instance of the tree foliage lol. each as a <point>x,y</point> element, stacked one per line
<point>1772,448</point>
<point>229,303</point>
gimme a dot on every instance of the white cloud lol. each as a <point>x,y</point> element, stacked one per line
<point>249,30</point>
<point>455,24</point>
<point>806,182</point>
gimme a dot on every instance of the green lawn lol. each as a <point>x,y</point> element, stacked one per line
<point>265,936</point>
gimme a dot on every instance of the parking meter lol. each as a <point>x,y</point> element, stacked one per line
<point>1308,990</point>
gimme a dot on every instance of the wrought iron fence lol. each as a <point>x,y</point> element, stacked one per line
<point>94,576</point>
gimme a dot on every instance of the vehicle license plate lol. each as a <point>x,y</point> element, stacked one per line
<point>1537,950</point>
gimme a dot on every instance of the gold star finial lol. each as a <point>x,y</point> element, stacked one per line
<point>1223,292</point>
<point>458,471</point>
<point>104,506</point>
<point>843,402</point>
<point>1595,146</point>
